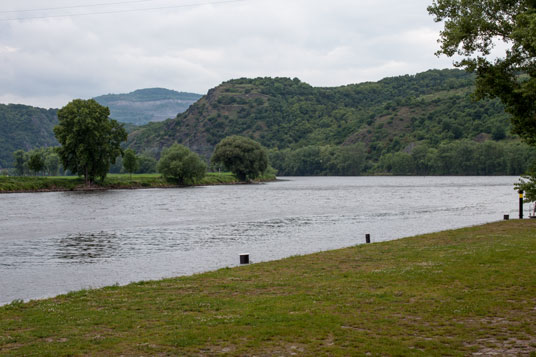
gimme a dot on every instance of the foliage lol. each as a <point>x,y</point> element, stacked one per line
<point>244,157</point>
<point>52,164</point>
<point>147,164</point>
<point>130,161</point>
<point>36,162</point>
<point>422,112</point>
<point>320,160</point>
<point>181,165</point>
<point>24,127</point>
<point>18,157</point>
<point>527,183</point>
<point>90,141</point>
<point>287,115</point>
<point>472,28</point>
<point>487,158</point>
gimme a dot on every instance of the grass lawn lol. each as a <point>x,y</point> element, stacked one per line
<point>112,181</point>
<point>457,292</point>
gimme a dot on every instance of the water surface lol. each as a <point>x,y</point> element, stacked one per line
<point>55,242</point>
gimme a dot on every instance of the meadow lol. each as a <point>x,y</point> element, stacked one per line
<point>10,184</point>
<point>457,292</point>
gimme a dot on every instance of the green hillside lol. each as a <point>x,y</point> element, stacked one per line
<point>427,111</point>
<point>147,105</point>
<point>424,124</point>
<point>24,127</point>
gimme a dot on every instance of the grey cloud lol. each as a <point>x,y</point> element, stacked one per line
<point>47,62</point>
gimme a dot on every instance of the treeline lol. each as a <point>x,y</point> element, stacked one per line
<point>46,162</point>
<point>41,161</point>
<point>327,160</point>
<point>461,157</point>
<point>146,164</point>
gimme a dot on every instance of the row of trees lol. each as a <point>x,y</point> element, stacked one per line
<point>90,145</point>
<point>42,161</point>
<point>244,157</point>
<point>320,160</point>
<point>463,157</point>
<point>136,163</point>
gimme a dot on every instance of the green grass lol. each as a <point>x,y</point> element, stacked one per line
<point>449,293</point>
<point>112,181</point>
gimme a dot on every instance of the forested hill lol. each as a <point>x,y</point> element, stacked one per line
<point>24,127</point>
<point>147,105</point>
<point>393,115</point>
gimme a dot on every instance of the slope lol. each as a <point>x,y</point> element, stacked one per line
<point>24,127</point>
<point>147,105</point>
<point>386,116</point>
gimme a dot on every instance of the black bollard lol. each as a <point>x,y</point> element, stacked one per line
<point>367,238</point>
<point>244,258</point>
<point>506,217</point>
<point>520,204</point>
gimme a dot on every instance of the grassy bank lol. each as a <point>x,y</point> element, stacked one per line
<point>457,292</point>
<point>112,181</point>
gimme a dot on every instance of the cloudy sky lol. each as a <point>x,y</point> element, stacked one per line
<point>54,51</point>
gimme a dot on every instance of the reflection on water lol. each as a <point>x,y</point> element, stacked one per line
<point>56,242</point>
<point>87,248</point>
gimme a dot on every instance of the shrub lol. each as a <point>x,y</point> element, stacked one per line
<point>179,164</point>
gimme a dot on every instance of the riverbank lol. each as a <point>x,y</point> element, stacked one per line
<point>456,292</point>
<point>112,181</point>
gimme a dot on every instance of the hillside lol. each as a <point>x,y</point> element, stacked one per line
<point>147,105</point>
<point>393,115</point>
<point>24,127</point>
<point>421,124</point>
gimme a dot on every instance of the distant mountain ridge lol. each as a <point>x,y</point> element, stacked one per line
<point>147,105</point>
<point>387,116</point>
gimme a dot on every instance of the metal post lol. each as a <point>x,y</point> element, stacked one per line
<point>367,238</point>
<point>244,258</point>
<point>520,204</point>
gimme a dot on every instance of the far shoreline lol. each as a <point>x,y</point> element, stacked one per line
<point>39,184</point>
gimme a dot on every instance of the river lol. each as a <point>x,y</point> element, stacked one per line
<point>55,242</point>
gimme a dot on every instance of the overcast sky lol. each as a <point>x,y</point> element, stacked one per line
<point>48,59</point>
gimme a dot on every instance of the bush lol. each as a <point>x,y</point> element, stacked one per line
<point>179,164</point>
<point>244,157</point>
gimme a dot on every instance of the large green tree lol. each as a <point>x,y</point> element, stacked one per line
<point>472,28</point>
<point>244,157</point>
<point>181,165</point>
<point>90,141</point>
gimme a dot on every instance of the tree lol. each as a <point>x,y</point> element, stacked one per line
<point>18,156</point>
<point>181,165</point>
<point>52,163</point>
<point>472,28</point>
<point>130,161</point>
<point>36,163</point>
<point>244,157</point>
<point>147,164</point>
<point>90,141</point>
